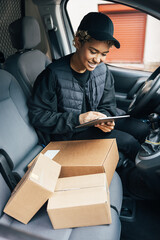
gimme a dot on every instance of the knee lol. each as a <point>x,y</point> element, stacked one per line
<point>132,141</point>
<point>129,146</point>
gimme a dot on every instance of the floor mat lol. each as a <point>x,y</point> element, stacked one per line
<point>134,184</point>
<point>137,186</point>
<point>147,222</point>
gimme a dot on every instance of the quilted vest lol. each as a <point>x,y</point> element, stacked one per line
<point>69,92</point>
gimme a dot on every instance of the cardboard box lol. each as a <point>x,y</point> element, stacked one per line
<point>34,189</point>
<point>80,201</point>
<point>84,156</point>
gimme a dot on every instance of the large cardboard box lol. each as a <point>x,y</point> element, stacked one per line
<point>84,157</point>
<point>34,189</point>
<point>80,201</point>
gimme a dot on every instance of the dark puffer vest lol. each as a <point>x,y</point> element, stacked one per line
<point>69,92</point>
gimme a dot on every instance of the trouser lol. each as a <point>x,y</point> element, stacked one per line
<point>129,134</point>
<point>126,143</point>
<point>135,127</point>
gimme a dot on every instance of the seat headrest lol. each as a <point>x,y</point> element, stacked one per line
<point>25,33</point>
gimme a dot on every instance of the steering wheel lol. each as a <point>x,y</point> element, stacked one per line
<point>145,93</point>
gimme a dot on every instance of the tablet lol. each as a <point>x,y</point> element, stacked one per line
<point>101,120</point>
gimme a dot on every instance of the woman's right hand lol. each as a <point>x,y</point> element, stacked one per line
<point>89,116</point>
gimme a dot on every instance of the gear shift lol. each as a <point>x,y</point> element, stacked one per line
<point>154,120</point>
<point>152,142</point>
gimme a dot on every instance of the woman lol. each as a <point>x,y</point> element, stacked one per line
<point>78,88</point>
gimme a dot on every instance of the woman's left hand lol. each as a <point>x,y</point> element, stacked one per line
<point>106,127</point>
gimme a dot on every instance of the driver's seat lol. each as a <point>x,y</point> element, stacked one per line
<point>27,63</point>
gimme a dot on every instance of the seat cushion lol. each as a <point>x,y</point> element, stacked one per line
<point>41,226</point>
<point>18,137</point>
<point>116,192</point>
<point>105,232</point>
<point>26,67</point>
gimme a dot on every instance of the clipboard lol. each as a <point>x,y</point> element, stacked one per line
<point>101,120</point>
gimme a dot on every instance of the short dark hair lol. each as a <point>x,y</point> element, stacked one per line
<point>83,37</point>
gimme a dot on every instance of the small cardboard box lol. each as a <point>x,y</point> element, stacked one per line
<point>84,157</point>
<point>33,190</point>
<point>80,201</point>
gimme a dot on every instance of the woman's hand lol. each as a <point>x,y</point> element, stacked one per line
<point>89,116</point>
<point>106,127</point>
<point>92,115</point>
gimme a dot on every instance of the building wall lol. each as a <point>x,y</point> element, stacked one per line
<point>152,43</point>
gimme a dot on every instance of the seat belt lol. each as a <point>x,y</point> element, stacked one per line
<point>55,49</point>
<point>57,52</point>
<point>6,171</point>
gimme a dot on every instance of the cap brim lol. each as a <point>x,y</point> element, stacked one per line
<point>102,36</point>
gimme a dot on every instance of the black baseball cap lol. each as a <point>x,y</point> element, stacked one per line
<point>99,26</point>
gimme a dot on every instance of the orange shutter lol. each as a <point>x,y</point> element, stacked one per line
<point>129,30</point>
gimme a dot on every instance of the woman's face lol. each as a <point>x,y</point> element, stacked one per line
<point>90,54</point>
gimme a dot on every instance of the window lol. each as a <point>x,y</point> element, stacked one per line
<point>137,32</point>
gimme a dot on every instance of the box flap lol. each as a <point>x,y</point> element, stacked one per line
<point>78,197</point>
<point>45,172</point>
<point>34,189</point>
<point>79,182</point>
<point>80,191</point>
